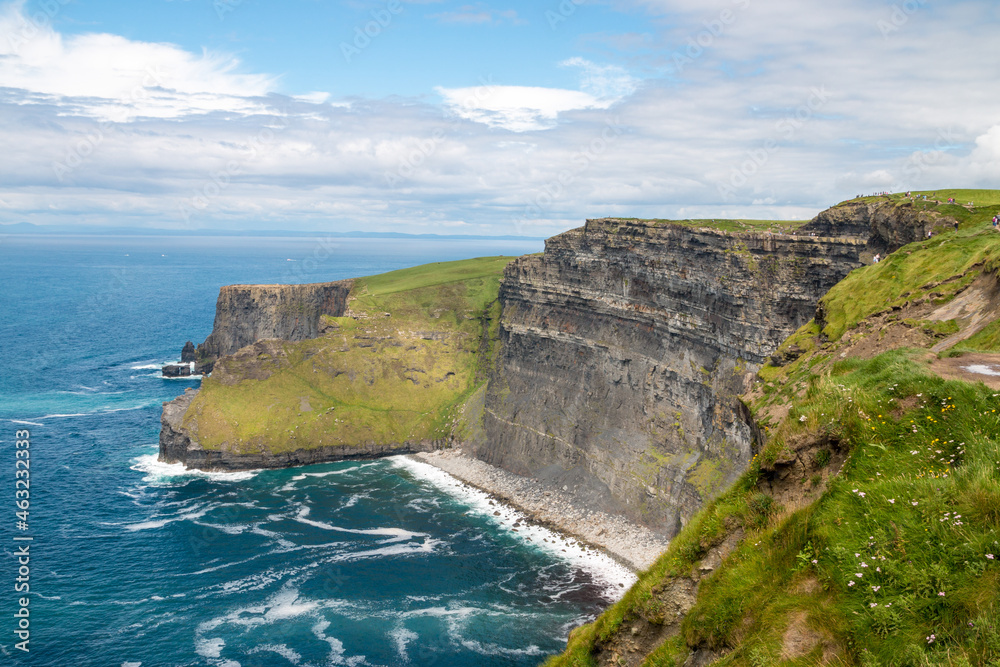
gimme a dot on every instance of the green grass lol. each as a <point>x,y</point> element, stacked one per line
<point>911,273</point>
<point>376,378</point>
<point>987,340</point>
<point>979,198</point>
<point>915,511</point>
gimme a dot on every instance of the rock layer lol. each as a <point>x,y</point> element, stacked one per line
<point>623,350</point>
<point>888,225</point>
<point>245,314</point>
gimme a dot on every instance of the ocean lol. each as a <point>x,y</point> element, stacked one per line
<point>135,563</point>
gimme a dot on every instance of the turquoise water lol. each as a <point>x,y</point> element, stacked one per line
<point>138,563</point>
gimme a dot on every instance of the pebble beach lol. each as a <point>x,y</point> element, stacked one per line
<point>632,545</point>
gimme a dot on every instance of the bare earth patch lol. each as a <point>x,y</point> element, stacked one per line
<point>973,367</point>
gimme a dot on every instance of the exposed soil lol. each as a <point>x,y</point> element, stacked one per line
<point>972,367</point>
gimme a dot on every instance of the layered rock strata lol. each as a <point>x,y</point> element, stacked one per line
<point>887,225</point>
<point>245,314</point>
<point>623,350</point>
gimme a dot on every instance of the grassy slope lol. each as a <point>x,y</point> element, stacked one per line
<point>917,501</point>
<point>373,378</point>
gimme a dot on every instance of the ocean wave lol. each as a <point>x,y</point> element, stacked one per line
<point>493,649</point>
<point>26,423</point>
<point>401,637</point>
<point>394,534</point>
<point>161,521</point>
<point>210,648</point>
<point>159,472</point>
<point>613,577</point>
<point>291,484</point>
<point>92,391</point>
<point>147,367</point>
<point>284,651</point>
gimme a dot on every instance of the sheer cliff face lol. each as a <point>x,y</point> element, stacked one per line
<point>245,314</point>
<point>623,350</point>
<point>888,225</point>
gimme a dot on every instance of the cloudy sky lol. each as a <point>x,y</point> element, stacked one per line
<point>499,117</point>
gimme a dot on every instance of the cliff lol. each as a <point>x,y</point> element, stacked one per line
<point>383,377</point>
<point>623,349</point>
<point>865,530</point>
<point>621,353</point>
<point>888,223</point>
<point>245,314</point>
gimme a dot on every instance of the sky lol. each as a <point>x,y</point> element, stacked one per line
<point>525,118</point>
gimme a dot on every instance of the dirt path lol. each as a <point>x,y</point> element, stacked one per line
<point>974,367</point>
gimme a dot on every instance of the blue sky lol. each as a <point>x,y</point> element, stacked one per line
<point>485,117</point>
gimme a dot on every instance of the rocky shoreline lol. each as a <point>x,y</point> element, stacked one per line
<point>632,545</point>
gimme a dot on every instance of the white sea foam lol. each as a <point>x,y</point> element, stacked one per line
<point>160,521</point>
<point>286,603</point>
<point>401,637</point>
<point>614,577</point>
<point>493,649</point>
<point>19,421</point>
<point>336,656</point>
<point>160,472</point>
<point>147,367</point>
<point>131,664</point>
<point>427,546</point>
<point>285,652</point>
<point>210,648</point>
<point>394,534</point>
<point>981,369</point>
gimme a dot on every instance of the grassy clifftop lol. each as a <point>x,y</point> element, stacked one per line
<point>412,347</point>
<point>867,530</point>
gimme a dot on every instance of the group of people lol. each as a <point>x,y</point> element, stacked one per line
<point>996,220</point>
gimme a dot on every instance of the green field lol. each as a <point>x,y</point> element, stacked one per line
<point>415,346</point>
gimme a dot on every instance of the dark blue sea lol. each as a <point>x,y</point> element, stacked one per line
<point>136,563</point>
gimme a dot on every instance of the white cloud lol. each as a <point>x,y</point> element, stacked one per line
<point>115,78</point>
<point>605,82</point>
<point>517,108</point>
<point>745,114</point>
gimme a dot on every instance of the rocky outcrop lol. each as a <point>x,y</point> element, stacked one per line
<point>178,444</point>
<point>245,314</point>
<point>625,346</point>
<point>176,370</point>
<point>189,354</point>
<point>887,225</point>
